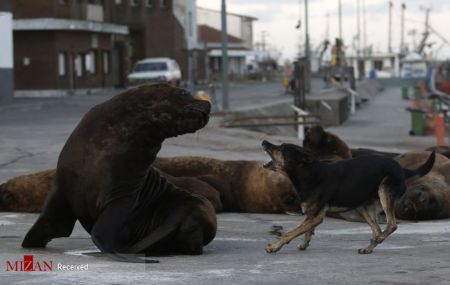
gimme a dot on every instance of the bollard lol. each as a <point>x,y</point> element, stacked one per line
<point>405,95</point>
<point>439,128</point>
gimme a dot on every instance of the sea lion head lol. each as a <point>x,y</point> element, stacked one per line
<point>325,144</point>
<point>170,111</point>
<point>418,203</point>
<point>8,201</point>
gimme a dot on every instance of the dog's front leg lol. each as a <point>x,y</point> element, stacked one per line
<point>307,225</point>
<point>303,245</point>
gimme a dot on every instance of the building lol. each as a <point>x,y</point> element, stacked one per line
<point>6,57</point>
<point>381,65</point>
<point>240,40</point>
<point>89,44</point>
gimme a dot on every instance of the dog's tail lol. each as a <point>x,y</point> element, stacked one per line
<point>423,169</point>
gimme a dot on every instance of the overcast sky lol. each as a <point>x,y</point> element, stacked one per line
<point>279,18</point>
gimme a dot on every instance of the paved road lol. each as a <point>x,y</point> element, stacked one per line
<point>32,133</point>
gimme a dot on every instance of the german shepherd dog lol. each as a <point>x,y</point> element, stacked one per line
<point>364,183</point>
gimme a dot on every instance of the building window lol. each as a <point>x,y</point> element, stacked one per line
<point>162,4</point>
<point>148,3</point>
<point>62,64</point>
<point>378,64</point>
<point>133,3</point>
<point>78,63</point>
<point>105,62</point>
<point>89,62</point>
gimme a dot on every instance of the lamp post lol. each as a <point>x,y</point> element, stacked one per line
<point>225,104</point>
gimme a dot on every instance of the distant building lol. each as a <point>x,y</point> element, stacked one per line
<point>381,65</point>
<point>88,44</point>
<point>240,40</point>
<point>6,57</point>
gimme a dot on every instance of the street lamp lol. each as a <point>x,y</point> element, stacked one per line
<point>224,38</point>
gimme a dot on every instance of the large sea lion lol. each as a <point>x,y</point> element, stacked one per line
<point>104,178</point>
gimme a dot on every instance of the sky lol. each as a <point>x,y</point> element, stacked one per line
<point>278,18</point>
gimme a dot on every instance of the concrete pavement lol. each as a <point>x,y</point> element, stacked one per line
<point>32,133</point>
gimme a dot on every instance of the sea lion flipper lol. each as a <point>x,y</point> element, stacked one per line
<point>56,220</point>
<point>155,236</point>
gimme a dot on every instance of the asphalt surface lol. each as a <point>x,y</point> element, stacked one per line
<point>32,132</point>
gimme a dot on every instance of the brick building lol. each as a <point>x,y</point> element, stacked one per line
<point>89,44</point>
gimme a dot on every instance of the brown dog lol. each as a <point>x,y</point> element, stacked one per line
<point>365,184</point>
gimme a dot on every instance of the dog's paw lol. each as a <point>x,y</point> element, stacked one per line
<point>364,251</point>
<point>302,246</point>
<point>272,248</point>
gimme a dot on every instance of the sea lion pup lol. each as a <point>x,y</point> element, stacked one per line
<point>104,178</point>
<point>426,197</point>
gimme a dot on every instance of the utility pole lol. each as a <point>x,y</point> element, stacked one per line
<point>364,28</point>
<point>402,33</point>
<point>263,42</point>
<point>306,31</point>
<point>390,28</point>
<point>224,57</point>
<point>340,20</point>
<point>358,26</point>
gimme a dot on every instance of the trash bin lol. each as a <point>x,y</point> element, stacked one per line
<point>405,95</point>
<point>417,93</point>
<point>417,122</point>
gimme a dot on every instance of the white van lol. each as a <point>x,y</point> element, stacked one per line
<point>158,69</point>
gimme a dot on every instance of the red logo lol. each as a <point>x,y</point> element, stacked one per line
<point>29,264</point>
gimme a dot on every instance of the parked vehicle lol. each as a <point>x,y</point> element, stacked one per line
<point>161,69</point>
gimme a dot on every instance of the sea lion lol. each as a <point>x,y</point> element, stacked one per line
<point>325,145</point>
<point>427,197</point>
<point>244,186</point>
<point>442,149</point>
<point>230,186</point>
<point>26,193</point>
<point>104,178</point>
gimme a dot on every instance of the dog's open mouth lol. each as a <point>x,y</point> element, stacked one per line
<point>270,164</point>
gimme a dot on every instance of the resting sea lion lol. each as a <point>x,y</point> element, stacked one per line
<point>442,149</point>
<point>105,180</point>
<point>244,186</point>
<point>26,193</point>
<point>427,197</point>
